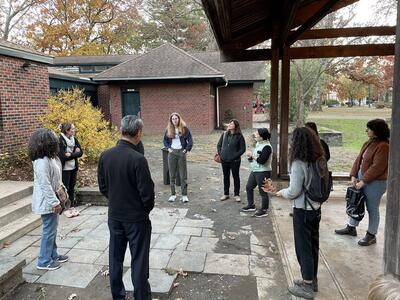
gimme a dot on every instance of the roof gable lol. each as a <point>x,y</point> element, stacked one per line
<point>164,62</point>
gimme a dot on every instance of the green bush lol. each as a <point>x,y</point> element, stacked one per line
<point>331,103</point>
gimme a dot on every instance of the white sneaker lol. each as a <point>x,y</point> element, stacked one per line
<point>172,198</point>
<point>185,199</point>
<point>237,198</point>
<point>224,197</point>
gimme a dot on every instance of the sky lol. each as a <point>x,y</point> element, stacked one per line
<point>367,10</point>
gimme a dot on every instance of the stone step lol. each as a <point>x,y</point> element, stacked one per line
<point>11,191</point>
<point>10,274</point>
<point>18,228</point>
<point>15,210</point>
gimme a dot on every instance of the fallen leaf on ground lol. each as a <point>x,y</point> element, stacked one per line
<point>213,210</point>
<point>105,272</point>
<point>231,237</point>
<point>184,274</point>
<point>6,244</point>
<point>176,284</point>
<point>72,296</point>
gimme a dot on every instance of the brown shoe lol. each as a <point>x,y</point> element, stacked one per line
<point>368,240</point>
<point>348,230</point>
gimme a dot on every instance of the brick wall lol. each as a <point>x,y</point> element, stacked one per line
<point>23,99</point>
<point>103,96</point>
<point>236,97</point>
<point>158,100</point>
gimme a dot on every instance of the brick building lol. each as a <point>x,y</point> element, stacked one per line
<point>168,79</point>
<point>24,89</point>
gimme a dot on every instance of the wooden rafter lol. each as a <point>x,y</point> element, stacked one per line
<point>318,16</point>
<point>289,13</point>
<point>347,32</point>
<point>315,52</point>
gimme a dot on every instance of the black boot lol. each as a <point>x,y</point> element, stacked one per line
<point>348,230</point>
<point>368,240</point>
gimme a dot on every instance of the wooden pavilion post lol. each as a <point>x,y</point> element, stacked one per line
<point>284,120</point>
<point>273,115</point>
<point>391,252</point>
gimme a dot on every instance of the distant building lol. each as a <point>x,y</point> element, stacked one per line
<point>168,79</point>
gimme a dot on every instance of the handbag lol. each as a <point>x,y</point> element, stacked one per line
<point>355,203</point>
<point>217,157</point>
<point>62,195</point>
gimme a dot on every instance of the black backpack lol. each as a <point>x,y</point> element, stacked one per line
<point>321,181</point>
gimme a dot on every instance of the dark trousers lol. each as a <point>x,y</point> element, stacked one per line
<point>177,160</point>
<point>69,180</point>
<point>138,236</point>
<point>256,179</point>
<point>226,170</point>
<point>306,240</point>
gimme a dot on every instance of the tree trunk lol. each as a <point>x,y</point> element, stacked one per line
<point>300,105</point>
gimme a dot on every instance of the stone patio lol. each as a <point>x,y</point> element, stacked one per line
<point>177,243</point>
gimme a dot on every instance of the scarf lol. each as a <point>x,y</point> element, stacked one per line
<point>70,143</point>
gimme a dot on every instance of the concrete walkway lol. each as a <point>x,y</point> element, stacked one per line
<point>345,268</point>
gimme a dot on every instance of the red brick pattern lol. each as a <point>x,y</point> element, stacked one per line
<point>194,101</point>
<point>23,99</point>
<point>236,98</point>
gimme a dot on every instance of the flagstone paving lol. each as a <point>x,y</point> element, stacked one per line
<point>180,243</point>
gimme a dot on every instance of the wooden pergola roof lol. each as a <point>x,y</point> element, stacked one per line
<point>241,24</point>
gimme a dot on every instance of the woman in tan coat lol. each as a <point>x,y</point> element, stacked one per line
<point>369,173</point>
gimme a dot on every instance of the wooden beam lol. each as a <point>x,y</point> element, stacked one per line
<point>284,120</point>
<point>312,52</point>
<point>391,253</point>
<point>289,13</point>
<point>273,114</point>
<point>318,16</point>
<point>347,32</point>
<point>341,51</point>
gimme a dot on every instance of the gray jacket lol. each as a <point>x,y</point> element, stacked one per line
<point>299,177</point>
<point>47,180</point>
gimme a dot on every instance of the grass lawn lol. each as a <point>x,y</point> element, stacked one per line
<point>353,131</point>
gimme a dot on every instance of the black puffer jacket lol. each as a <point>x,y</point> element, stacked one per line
<point>231,147</point>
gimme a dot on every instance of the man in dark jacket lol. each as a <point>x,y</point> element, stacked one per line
<point>125,180</point>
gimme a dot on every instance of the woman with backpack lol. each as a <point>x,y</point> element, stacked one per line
<point>369,173</point>
<point>230,147</point>
<point>305,149</point>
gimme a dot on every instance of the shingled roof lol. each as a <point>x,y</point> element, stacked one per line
<point>14,50</point>
<point>92,60</point>
<point>234,71</point>
<point>164,62</point>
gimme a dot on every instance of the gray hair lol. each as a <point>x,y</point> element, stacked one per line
<point>130,125</point>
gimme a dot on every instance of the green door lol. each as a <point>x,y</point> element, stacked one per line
<point>130,103</point>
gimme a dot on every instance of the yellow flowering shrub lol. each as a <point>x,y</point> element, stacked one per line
<point>93,132</point>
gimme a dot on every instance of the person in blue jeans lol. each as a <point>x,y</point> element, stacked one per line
<point>369,173</point>
<point>43,150</point>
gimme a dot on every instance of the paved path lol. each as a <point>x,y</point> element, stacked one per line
<point>346,269</point>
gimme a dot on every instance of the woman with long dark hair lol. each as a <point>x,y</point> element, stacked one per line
<point>230,147</point>
<point>305,148</point>
<point>70,151</point>
<point>260,162</point>
<point>178,141</point>
<point>369,173</point>
<point>43,150</point>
